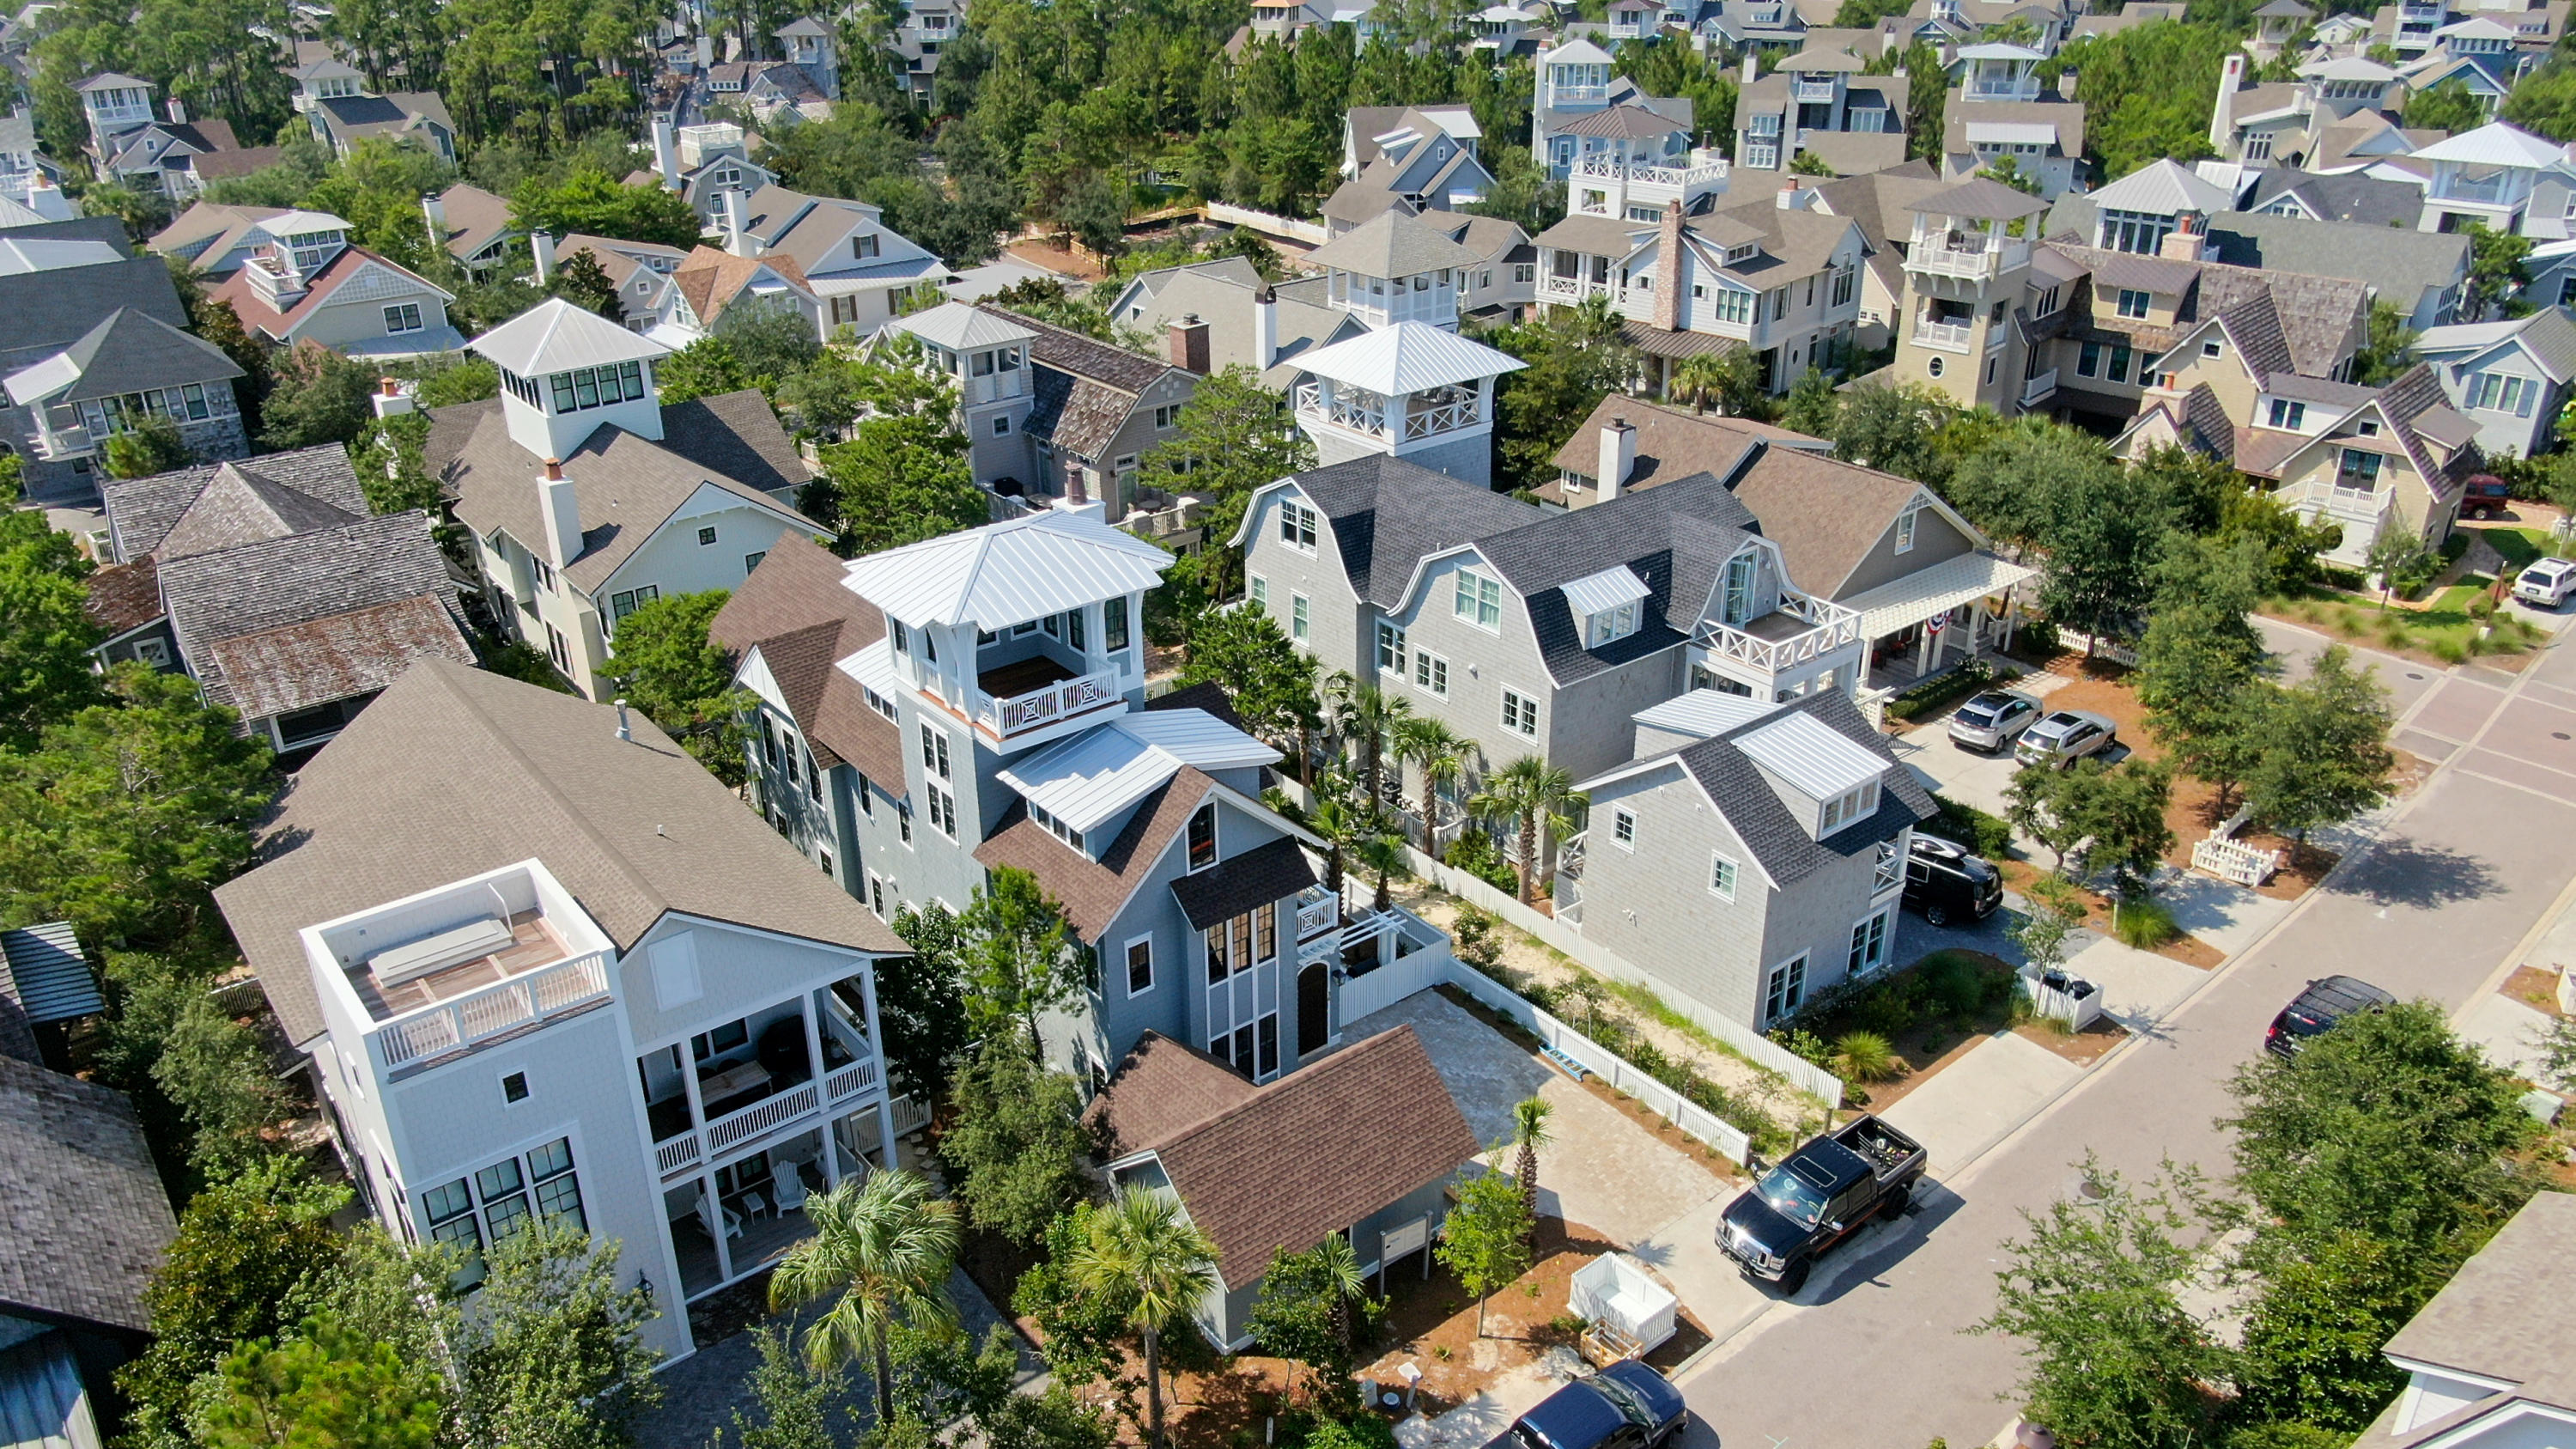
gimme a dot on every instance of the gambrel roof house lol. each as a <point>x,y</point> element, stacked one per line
<point>273,587</point>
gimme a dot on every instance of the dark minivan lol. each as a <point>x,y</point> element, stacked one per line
<point>1946,883</point>
<point>2327,1001</point>
<point>1625,1406</point>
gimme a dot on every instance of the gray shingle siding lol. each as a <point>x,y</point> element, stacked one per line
<point>1652,905</point>
<point>1935,539</point>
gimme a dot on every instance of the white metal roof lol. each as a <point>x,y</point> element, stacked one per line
<point>957,327</point>
<point>2013,133</point>
<point>1577,52</point>
<point>1998,51</point>
<point>1407,357</point>
<point>1946,585</point>
<point>555,335</point>
<point>2162,187</point>
<point>1087,780</point>
<point>42,380</point>
<point>2496,144</point>
<point>2349,67</point>
<point>1816,759</point>
<point>1600,593</point>
<point>1707,713</point>
<point>17,257</point>
<point>302,223</point>
<point>873,667</point>
<point>1008,573</point>
<point>2476,27</point>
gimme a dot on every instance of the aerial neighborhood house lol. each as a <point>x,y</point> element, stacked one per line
<point>1751,855</point>
<point>809,43</point>
<point>114,106</point>
<point>2487,1359</point>
<point>709,283</point>
<point>640,271</point>
<point>1050,413</point>
<point>217,241</point>
<point>130,368</point>
<point>320,75</point>
<point>473,225</point>
<point>1252,323</point>
<point>1424,157</point>
<point>2510,378</point>
<point>1999,112</point>
<point>1575,80</point>
<point>2338,114</point>
<point>84,1222</point>
<point>2395,463</point>
<point>313,285</point>
<point>1818,101</point>
<point>2489,177</point>
<point>269,583</point>
<point>29,177</point>
<point>52,311</point>
<point>587,497</point>
<point>703,163</point>
<point>976,738</point>
<point>417,117</point>
<point>1366,1143</point>
<point>539,964</point>
<point>161,157</point>
<point>839,251</point>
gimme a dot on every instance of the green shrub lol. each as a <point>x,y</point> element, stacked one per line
<point>1475,853</point>
<point>1984,835</point>
<point>1800,1042</point>
<point>1865,1056</point>
<point>2036,637</point>
<point>2448,649</point>
<point>2145,924</point>
<point>1935,695</point>
<point>1956,983</point>
<point>1474,937</point>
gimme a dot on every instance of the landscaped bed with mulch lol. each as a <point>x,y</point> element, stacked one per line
<point>1929,1015</point>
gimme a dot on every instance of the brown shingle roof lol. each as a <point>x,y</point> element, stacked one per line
<point>337,656</point>
<point>713,280</point>
<point>454,771</point>
<point>1093,891</point>
<point>1162,1089</point>
<point>2316,314</point>
<point>794,609</point>
<point>124,596</point>
<point>1313,1152</point>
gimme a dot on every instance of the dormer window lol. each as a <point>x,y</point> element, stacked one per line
<point>1054,825</point>
<point>2134,303</point>
<point>593,387</point>
<point>1614,625</point>
<point>1851,805</point>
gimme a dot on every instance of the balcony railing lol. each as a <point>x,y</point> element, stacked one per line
<point>1444,417</point>
<point>1365,413</point>
<point>1580,95</point>
<point>1044,706</point>
<point>1703,170</point>
<point>1435,305</point>
<point>1949,336</point>
<point>996,388</point>
<point>1318,911</point>
<point>2363,504</point>
<point>1830,626</point>
<point>839,1087</point>
<point>2019,88</point>
<point>2038,386</point>
<point>1974,263</point>
<point>56,444</point>
<point>1812,91</point>
<point>2494,190</point>
<point>461,1022</point>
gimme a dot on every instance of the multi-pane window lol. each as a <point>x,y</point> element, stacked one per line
<point>1242,942</point>
<point>1788,987</point>
<point>1520,715</point>
<point>1431,672</point>
<point>1849,806</point>
<point>627,601</point>
<point>934,752</point>
<point>1478,600</point>
<point>1612,624</point>
<point>593,387</point>
<point>1167,418</point>
<point>2498,393</point>
<point>943,810</point>
<point>1721,876</point>
<point>2134,303</point>
<point>1260,593</point>
<point>1868,946</point>
<point>2287,415</point>
<point>1297,620</point>
<point>1054,824</point>
<point>1113,624</point>
<point>1905,530</point>
<point>1623,826</point>
<point>504,1198</point>
<point>1390,648</point>
<point>1846,282</point>
<point>1736,604</point>
<point>1731,306</point>
<point>1297,525</point>
<point>2359,469</point>
<point>1140,966</point>
<point>403,317</point>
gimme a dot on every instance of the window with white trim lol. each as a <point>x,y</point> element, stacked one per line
<point>943,810</point>
<point>1623,827</point>
<point>1611,625</point>
<point>934,752</point>
<point>499,1202</point>
<point>1478,600</point>
<point>1849,806</point>
<point>1520,715</point>
<point>1431,672</point>
<point>1140,965</point>
<point>1786,989</point>
<point>1297,620</point>
<point>1296,525</point>
<point>1721,876</point>
<point>1905,530</point>
<point>403,317</point>
<point>1390,648</point>
<point>1868,945</point>
<point>1260,592</point>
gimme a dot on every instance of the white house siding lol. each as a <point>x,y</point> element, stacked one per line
<point>343,325</point>
<point>1816,915</point>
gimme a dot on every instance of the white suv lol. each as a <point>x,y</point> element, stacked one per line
<point>2546,583</point>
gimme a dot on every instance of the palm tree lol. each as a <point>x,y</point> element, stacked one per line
<point>1382,852</point>
<point>1142,1249</point>
<point>1344,1280</point>
<point>1440,753</point>
<point>1700,378</point>
<point>1337,825</point>
<point>1529,1133</point>
<point>1534,795</point>
<point>886,1247</point>
<point>1365,713</point>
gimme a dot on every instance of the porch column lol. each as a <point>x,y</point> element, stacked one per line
<point>689,1085</point>
<point>814,1046</point>
<point>715,1223</point>
<point>1868,658</point>
<point>1923,655</point>
<point>2012,617</point>
<point>885,1129</point>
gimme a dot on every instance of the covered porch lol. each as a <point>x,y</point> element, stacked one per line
<point>1938,618</point>
<point>742,1216</point>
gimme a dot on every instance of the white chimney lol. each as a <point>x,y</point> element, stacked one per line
<point>733,48</point>
<point>46,199</point>
<point>1265,329</point>
<point>1794,196</point>
<point>390,398</point>
<point>178,110</point>
<point>1752,70</point>
<point>664,159</point>
<point>562,514</point>
<point>435,209</point>
<point>1618,456</point>
<point>2222,117</point>
<point>624,732</point>
<point>706,51</point>
<point>541,249</point>
<point>734,241</point>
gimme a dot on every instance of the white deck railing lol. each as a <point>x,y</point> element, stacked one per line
<point>461,1022</point>
<point>1016,713</point>
<point>1948,336</point>
<point>1830,627</point>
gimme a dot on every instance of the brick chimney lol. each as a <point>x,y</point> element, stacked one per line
<point>1618,456</point>
<point>1670,283</point>
<point>2183,243</point>
<point>1188,339</point>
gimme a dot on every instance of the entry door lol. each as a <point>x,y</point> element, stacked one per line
<point>1314,1008</point>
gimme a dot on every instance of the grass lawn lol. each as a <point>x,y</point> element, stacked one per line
<point>2519,546</point>
<point>2441,630</point>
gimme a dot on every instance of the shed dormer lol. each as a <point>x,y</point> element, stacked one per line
<point>565,370</point>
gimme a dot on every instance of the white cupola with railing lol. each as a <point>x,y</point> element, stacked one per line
<point>1407,390</point>
<point>1394,268</point>
<point>565,370</point>
<point>1998,72</point>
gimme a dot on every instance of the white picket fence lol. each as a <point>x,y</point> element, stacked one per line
<point>1805,1075</point>
<point>2111,649</point>
<point>2228,858</point>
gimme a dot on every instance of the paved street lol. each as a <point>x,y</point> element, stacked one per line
<point>2469,866</point>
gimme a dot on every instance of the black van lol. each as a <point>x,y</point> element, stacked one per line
<point>2315,1011</point>
<point>1946,883</point>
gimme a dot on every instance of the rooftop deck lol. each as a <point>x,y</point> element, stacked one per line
<point>534,946</point>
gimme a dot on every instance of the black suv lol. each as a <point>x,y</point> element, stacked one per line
<point>2327,1001</point>
<point>1625,1406</point>
<point>1946,883</point>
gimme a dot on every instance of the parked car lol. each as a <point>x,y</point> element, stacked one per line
<point>1818,1196</point>
<point>2317,1010</point>
<point>1993,720</point>
<point>1946,883</point>
<point>2485,496</point>
<point>1625,1406</point>
<point>2065,737</point>
<point>2547,582</point>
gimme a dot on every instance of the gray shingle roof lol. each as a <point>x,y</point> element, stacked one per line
<point>1780,844</point>
<point>2503,1316</point>
<point>142,511</point>
<point>239,506</point>
<point>454,771</point>
<point>1392,245</point>
<point>49,311</point>
<point>2400,262</point>
<point>276,583</point>
<point>1387,514</point>
<point>129,351</point>
<point>83,1217</point>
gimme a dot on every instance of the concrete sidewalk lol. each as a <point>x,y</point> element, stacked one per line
<point>1977,1099</point>
<point>2138,987</point>
<point>2508,1031</point>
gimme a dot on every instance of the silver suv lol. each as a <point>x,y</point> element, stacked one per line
<point>2065,737</point>
<point>1993,720</point>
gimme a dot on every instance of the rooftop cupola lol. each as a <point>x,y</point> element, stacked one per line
<point>565,370</point>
